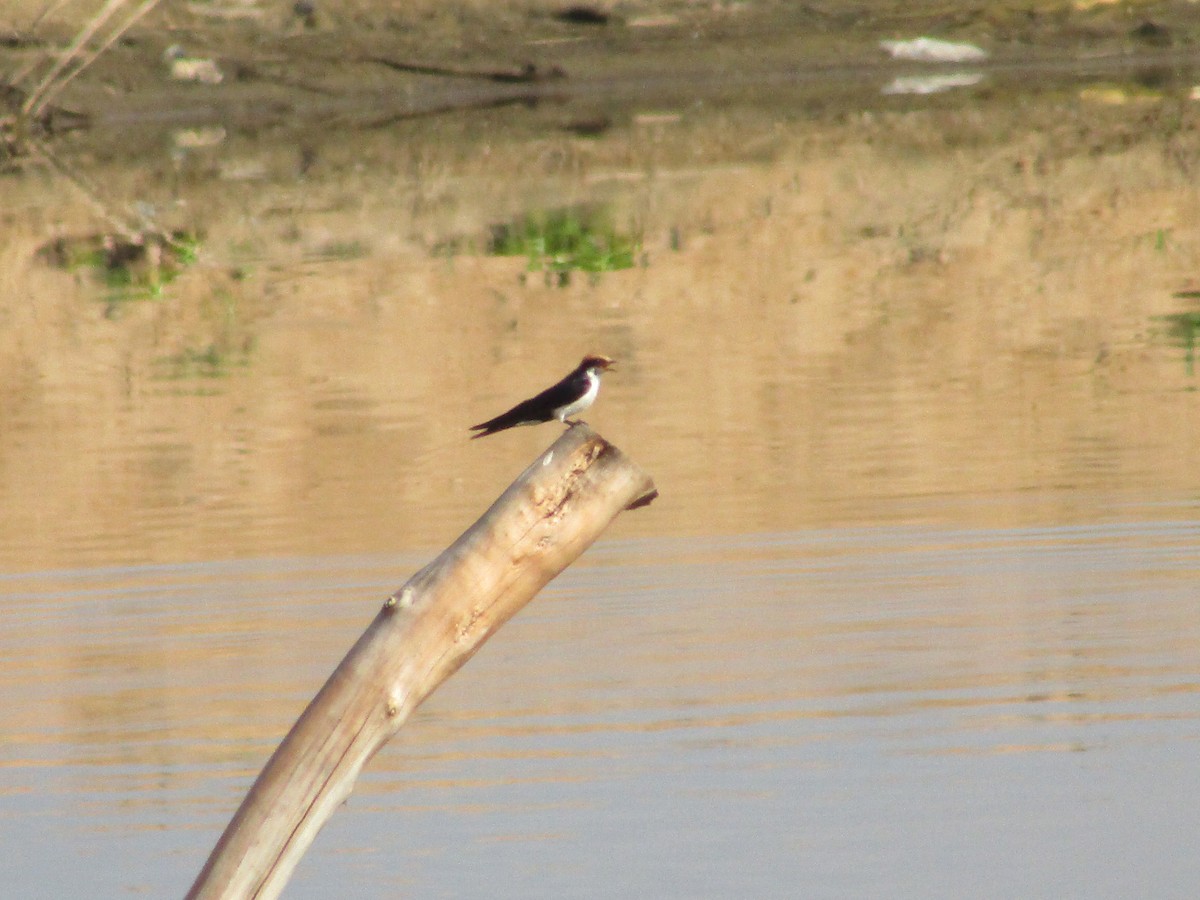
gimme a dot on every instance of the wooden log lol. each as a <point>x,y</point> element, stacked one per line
<point>426,630</point>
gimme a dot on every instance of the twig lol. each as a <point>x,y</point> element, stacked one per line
<point>53,91</point>
<point>51,6</point>
<point>527,74</point>
<point>90,194</point>
<point>67,55</point>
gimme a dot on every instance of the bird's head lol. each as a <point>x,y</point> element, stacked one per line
<point>596,364</point>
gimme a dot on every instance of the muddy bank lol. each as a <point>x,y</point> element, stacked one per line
<point>258,65</point>
<point>229,309</point>
<point>828,316</point>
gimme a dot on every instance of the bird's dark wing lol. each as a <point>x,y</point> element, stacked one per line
<point>528,412</point>
<point>533,411</point>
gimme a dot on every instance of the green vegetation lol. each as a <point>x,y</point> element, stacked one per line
<point>1183,330</point>
<point>217,360</point>
<point>131,269</point>
<point>227,346</point>
<point>560,242</point>
<point>140,268</point>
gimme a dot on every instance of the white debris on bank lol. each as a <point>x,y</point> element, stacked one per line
<point>185,68</point>
<point>931,84</point>
<point>927,49</point>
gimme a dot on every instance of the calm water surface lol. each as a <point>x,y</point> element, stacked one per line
<point>909,711</point>
<point>915,615</point>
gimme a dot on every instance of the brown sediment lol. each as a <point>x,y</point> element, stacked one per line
<point>858,299</point>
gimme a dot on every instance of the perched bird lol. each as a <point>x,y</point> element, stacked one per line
<point>569,397</point>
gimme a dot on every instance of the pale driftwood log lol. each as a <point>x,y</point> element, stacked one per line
<point>424,633</point>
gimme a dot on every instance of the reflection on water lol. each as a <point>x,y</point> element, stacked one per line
<point>915,612</point>
<point>814,712</point>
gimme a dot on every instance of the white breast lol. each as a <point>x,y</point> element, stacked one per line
<point>573,409</point>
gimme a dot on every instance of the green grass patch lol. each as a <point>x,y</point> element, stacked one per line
<point>559,242</point>
<point>1182,329</point>
<point>129,269</point>
<point>216,360</point>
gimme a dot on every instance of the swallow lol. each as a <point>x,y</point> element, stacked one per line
<point>569,397</point>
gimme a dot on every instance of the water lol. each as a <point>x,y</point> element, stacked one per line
<point>914,615</point>
<point>907,711</point>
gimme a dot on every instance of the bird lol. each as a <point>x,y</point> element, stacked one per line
<point>569,397</point>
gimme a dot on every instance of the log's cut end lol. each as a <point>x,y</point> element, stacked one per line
<point>576,468</point>
<point>645,491</point>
